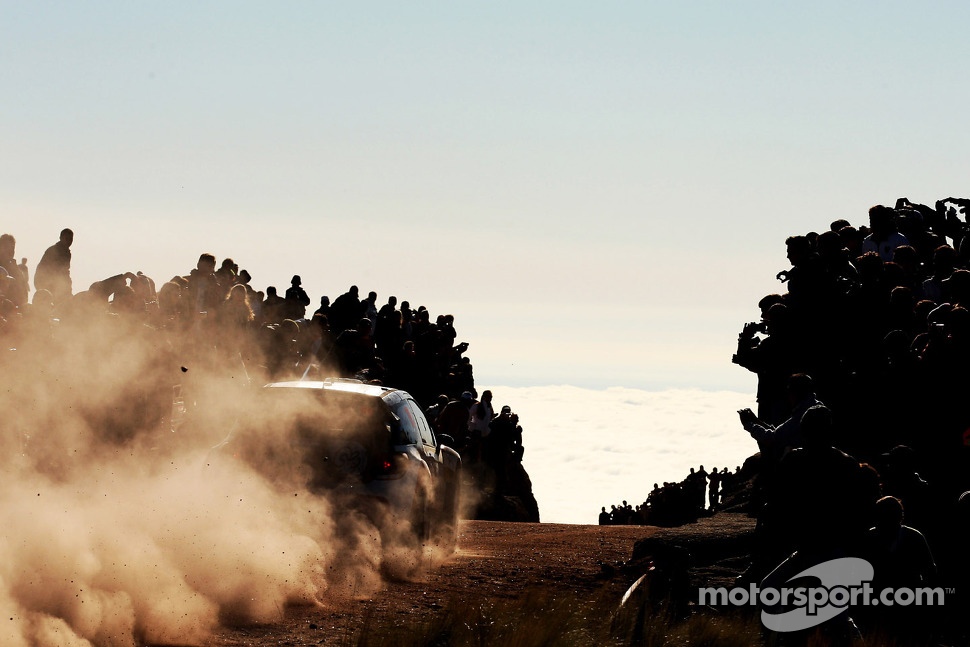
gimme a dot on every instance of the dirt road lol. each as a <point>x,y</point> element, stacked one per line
<point>494,561</point>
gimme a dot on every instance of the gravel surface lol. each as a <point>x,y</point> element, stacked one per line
<point>499,561</point>
<point>494,560</point>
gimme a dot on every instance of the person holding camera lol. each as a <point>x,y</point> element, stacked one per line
<point>773,356</point>
<point>775,441</point>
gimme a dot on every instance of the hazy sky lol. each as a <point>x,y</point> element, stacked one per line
<point>598,191</point>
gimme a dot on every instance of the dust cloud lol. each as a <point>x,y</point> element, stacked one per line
<point>129,518</point>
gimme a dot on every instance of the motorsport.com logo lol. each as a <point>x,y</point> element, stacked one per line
<point>842,583</point>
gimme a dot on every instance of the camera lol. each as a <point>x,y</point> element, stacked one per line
<point>753,327</point>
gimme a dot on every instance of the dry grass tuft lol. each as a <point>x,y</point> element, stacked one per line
<point>542,617</point>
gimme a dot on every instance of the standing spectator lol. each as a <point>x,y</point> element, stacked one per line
<point>480,415</point>
<point>407,316</point>
<point>432,412</point>
<point>774,358</point>
<point>226,277</point>
<point>697,484</point>
<point>345,310</point>
<point>25,271</point>
<point>17,285</point>
<point>272,307</point>
<point>604,519</point>
<point>203,288</point>
<point>235,312</point>
<point>714,489</point>
<point>498,446</point>
<point>255,298</point>
<point>453,419</point>
<point>368,308</point>
<point>388,309</point>
<point>518,449</point>
<point>53,272</point>
<point>884,238</point>
<point>296,300</point>
<point>355,348</point>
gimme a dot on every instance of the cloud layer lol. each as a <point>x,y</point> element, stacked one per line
<point>589,448</point>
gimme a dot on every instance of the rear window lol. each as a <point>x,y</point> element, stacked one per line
<point>427,437</point>
<point>409,432</point>
<point>328,412</point>
<point>340,435</point>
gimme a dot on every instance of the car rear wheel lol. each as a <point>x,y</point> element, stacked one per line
<point>449,511</point>
<point>421,515</point>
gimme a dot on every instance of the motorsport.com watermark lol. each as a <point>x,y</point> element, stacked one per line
<point>843,582</point>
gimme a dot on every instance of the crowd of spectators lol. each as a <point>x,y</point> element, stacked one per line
<point>218,310</point>
<point>490,443</point>
<point>212,319</point>
<point>676,502</point>
<point>862,423</point>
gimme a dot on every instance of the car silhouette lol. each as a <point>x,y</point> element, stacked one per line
<point>372,443</point>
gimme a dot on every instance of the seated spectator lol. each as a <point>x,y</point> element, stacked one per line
<point>774,442</point>
<point>901,559</point>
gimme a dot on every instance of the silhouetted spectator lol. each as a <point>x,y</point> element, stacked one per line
<point>900,558</point>
<point>453,420</point>
<point>480,415</point>
<point>389,336</point>
<point>368,309</point>
<point>806,278</point>
<point>518,449</point>
<point>774,441</point>
<point>295,300</point>
<point>388,309</point>
<point>235,312</point>
<point>604,519</point>
<point>53,272</point>
<point>407,316</point>
<point>272,308</point>
<point>944,261</point>
<point>345,310</point>
<point>227,276</point>
<point>714,489</point>
<point>499,442</point>
<point>901,480</point>
<point>17,285</point>
<point>203,289</point>
<point>696,486</point>
<point>432,412</point>
<point>324,308</point>
<point>884,238</point>
<point>898,553</point>
<point>356,347</point>
<point>774,358</point>
<point>818,504</point>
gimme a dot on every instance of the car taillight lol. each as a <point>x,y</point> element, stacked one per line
<point>392,465</point>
